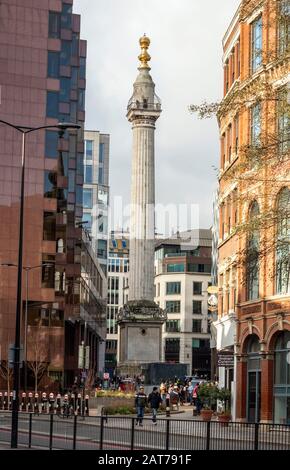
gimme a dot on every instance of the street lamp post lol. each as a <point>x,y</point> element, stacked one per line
<point>62,127</point>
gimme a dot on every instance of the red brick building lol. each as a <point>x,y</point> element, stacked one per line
<point>254,270</point>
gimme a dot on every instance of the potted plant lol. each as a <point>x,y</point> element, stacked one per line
<point>207,394</point>
<point>224,395</point>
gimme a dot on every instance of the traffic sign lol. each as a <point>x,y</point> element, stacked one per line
<point>106,376</point>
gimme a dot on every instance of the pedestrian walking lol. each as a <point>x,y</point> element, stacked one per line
<point>154,399</point>
<point>140,403</point>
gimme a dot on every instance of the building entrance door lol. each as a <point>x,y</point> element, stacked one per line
<point>254,396</point>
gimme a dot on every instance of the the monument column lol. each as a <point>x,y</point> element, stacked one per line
<point>141,319</point>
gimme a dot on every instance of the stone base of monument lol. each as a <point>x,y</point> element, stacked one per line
<point>140,325</point>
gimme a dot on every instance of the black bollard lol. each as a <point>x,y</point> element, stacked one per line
<point>5,401</point>
<point>44,403</point>
<point>51,403</point>
<point>87,405</point>
<point>36,404</point>
<point>30,409</point>
<point>167,405</point>
<point>23,401</point>
<point>58,404</point>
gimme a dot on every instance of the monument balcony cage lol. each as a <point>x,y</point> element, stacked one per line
<point>145,104</point>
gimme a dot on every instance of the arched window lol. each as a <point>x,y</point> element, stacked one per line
<point>253,254</point>
<point>283,243</point>
<point>282,379</point>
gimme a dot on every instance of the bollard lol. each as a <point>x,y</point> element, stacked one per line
<point>66,405</point>
<point>167,405</point>
<point>10,401</point>
<point>58,404</point>
<point>30,409</point>
<point>51,403</point>
<point>79,405</point>
<point>1,401</point>
<point>5,401</point>
<point>73,402</point>
<point>87,405</point>
<point>23,402</point>
<point>44,403</point>
<point>36,404</point>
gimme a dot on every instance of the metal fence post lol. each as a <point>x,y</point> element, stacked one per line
<point>75,431</point>
<point>30,431</point>
<point>102,433</point>
<point>167,434</point>
<point>256,445</point>
<point>207,435</point>
<point>50,432</point>
<point>132,433</point>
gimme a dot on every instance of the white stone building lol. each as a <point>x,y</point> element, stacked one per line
<point>182,276</point>
<point>118,279</point>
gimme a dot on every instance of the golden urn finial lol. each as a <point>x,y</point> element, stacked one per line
<point>144,57</point>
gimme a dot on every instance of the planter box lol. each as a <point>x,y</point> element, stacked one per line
<point>110,401</point>
<point>206,415</point>
<point>224,419</point>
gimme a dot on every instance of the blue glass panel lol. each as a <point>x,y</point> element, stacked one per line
<point>51,144</point>
<point>53,64</point>
<point>52,104</point>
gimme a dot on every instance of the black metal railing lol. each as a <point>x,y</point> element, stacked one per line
<point>52,431</point>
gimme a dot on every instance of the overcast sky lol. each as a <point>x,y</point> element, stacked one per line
<point>186,67</point>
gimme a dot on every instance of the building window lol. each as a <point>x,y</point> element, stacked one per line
<point>283,26</point>
<point>52,104</point>
<point>173,306</point>
<point>283,243</point>
<point>65,87</point>
<point>196,326</point>
<point>256,124</point>
<point>175,268</point>
<point>172,348</point>
<point>49,226</point>
<point>88,174</point>
<point>173,326</point>
<point>196,307</point>
<point>253,254</point>
<point>50,179</point>
<point>173,288</point>
<point>102,251</point>
<point>101,176</point>
<point>65,53</point>
<point>48,271</point>
<point>53,64</point>
<point>82,68</point>
<point>197,288</point>
<point>81,100</point>
<point>101,152</point>
<point>198,268</point>
<point>66,16</point>
<point>54,25</point>
<point>87,218</point>
<point>88,198</point>
<point>51,144</point>
<point>256,43</point>
<point>283,115</point>
<point>89,149</point>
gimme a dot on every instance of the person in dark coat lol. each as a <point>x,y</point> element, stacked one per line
<point>140,403</point>
<point>154,399</point>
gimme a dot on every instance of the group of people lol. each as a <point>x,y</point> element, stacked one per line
<point>168,393</point>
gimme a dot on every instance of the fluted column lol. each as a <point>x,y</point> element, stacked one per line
<point>141,276</point>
